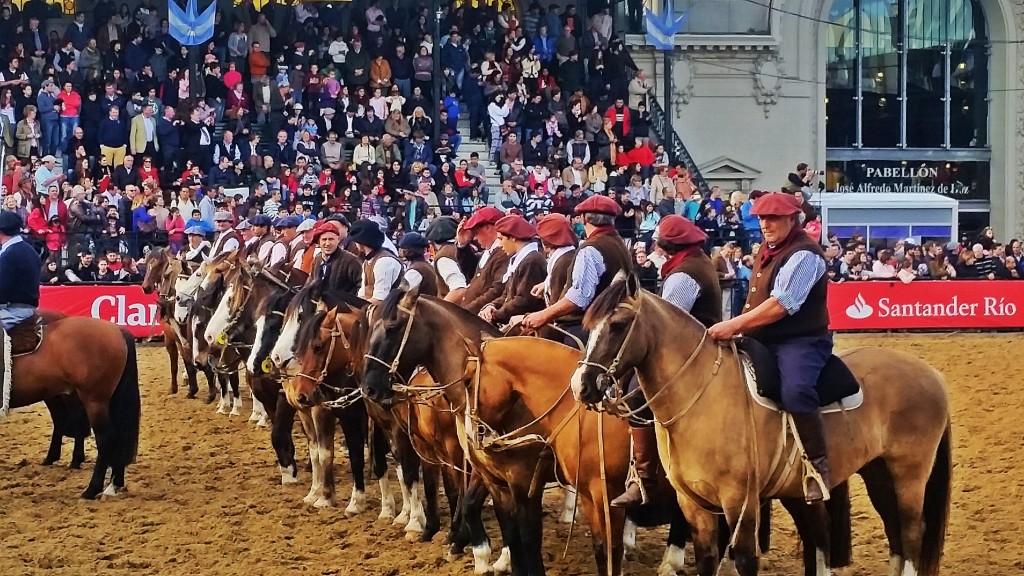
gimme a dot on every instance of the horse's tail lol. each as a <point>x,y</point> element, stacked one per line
<point>839,533</point>
<point>936,505</point>
<point>126,409</point>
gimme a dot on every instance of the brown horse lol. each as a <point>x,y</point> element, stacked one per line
<point>207,295</point>
<point>163,272</point>
<point>333,344</point>
<point>724,451</point>
<point>104,376</point>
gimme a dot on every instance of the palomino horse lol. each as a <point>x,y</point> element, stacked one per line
<point>163,271</point>
<point>104,376</point>
<point>723,450</point>
<point>318,420</point>
<point>334,343</point>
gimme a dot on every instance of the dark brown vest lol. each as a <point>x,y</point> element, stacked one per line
<point>218,244</point>
<point>708,306</point>
<point>486,283</point>
<point>254,250</point>
<point>560,275</point>
<point>368,279</point>
<point>516,299</point>
<point>430,283</point>
<point>811,319</point>
<point>616,259</point>
<point>446,251</point>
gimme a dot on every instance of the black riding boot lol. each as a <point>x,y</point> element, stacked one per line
<point>811,428</point>
<point>645,463</point>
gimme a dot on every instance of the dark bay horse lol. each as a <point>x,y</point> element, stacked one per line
<point>722,450</point>
<point>163,272</point>
<point>104,377</point>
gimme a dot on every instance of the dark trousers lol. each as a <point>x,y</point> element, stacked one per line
<point>800,363</point>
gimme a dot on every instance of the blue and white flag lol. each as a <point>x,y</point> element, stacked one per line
<point>661,28</point>
<point>188,26</point>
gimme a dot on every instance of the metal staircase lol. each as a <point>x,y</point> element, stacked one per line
<point>662,127</point>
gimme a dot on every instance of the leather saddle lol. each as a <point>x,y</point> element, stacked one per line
<point>835,384</point>
<point>26,336</point>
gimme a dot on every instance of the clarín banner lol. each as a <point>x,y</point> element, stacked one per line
<point>936,304</point>
<point>123,304</point>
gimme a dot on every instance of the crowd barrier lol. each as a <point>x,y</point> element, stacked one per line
<point>123,304</point>
<point>853,306</point>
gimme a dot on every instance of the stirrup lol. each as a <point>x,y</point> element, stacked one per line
<point>811,474</point>
<point>633,477</point>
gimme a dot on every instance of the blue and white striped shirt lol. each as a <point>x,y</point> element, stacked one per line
<point>586,273</point>
<point>680,290</point>
<point>796,278</point>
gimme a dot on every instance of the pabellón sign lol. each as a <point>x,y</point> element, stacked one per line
<point>965,180</point>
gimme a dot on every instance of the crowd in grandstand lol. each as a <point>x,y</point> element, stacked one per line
<point>113,143</point>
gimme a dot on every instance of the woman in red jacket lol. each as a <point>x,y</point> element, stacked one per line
<point>175,226</point>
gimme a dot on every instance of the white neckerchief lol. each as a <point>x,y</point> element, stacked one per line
<point>520,255</point>
<point>487,254</point>
<point>552,260</point>
<point>14,240</point>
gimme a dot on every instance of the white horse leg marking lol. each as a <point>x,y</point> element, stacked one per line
<point>569,506</point>
<point>673,561</point>
<point>504,563</point>
<point>223,404</point>
<point>236,405</point>
<point>317,481</point>
<point>895,565</point>
<point>482,558</point>
<point>322,500</point>
<point>257,406</point>
<point>909,569</point>
<point>629,534</point>
<point>418,515</point>
<point>387,500</point>
<point>403,516</point>
<point>356,503</point>
<point>821,565</point>
<point>289,475</point>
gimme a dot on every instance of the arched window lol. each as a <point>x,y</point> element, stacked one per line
<point>906,74</point>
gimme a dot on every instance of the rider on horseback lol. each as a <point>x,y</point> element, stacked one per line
<point>20,268</point>
<point>786,312</point>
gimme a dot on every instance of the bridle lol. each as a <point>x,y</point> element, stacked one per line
<point>392,368</point>
<point>347,396</point>
<point>607,376</point>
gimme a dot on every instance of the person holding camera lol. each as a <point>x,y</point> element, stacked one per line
<point>802,180</point>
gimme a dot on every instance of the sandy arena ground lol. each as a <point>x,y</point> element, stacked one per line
<point>205,497</point>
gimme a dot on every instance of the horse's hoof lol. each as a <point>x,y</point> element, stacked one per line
<point>235,412</point>
<point>75,465</point>
<point>414,537</point>
<point>287,478</point>
<point>191,395</point>
<point>504,563</point>
<point>323,503</point>
<point>453,557</point>
<point>428,535</point>
<point>310,498</point>
<point>49,461</point>
<point>210,398</point>
<point>263,422</point>
<point>482,559</point>
<point>402,519</point>
<point>91,493</point>
<point>356,503</point>
<point>174,389</point>
<point>112,491</point>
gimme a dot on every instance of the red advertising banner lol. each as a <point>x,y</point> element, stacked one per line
<point>123,304</point>
<point>921,304</point>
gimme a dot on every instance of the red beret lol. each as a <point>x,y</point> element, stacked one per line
<point>680,231</point>
<point>776,204</point>
<point>485,215</point>
<point>556,231</point>
<point>599,204</point>
<point>515,227</point>
<point>324,226</point>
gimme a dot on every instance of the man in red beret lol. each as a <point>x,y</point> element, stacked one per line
<point>691,284</point>
<point>338,269</point>
<point>525,270</point>
<point>490,261</point>
<point>558,242</point>
<point>601,256</point>
<point>786,311</point>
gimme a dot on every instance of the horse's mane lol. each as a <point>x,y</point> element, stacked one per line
<point>309,330</point>
<point>389,310</point>
<point>389,307</point>
<point>605,303</point>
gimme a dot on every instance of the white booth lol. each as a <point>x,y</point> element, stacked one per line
<point>885,218</point>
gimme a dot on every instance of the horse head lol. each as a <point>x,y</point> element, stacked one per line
<point>156,265</point>
<point>328,345</point>
<point>224,319</point>
<point>615,346</point>
<point>393,350</point>
<point>269,321</point>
